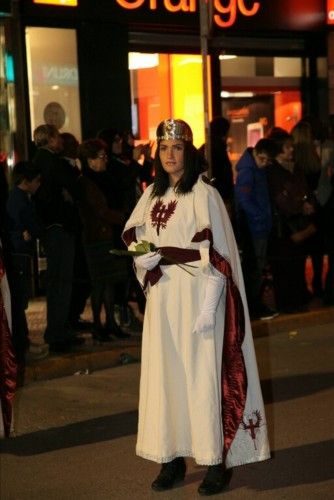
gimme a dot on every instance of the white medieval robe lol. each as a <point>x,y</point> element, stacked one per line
<point>193,401</point>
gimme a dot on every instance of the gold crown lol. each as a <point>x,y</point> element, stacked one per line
<point>174,129</point>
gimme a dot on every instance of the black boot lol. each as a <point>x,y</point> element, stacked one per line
<point>101,334</point>
<point>216,480</point>
<point>170,473</point>
<point>117,331</point>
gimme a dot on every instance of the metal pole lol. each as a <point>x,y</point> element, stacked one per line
<point>204,7</point>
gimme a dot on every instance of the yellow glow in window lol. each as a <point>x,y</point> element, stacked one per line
<point>187,92</point>
<point>64,3</point>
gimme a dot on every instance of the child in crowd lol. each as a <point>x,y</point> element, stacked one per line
<point>23,229</point>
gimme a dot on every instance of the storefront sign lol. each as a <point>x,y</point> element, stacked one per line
<point>330,12</point>
<point>245,15</point>
<point>45,74</point>
<point>232,10</point>
<point>224,12</point>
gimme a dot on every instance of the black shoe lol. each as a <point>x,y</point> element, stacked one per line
<point>170,473</point>
<point>216,480</point>
<point>60,347</point>
<point>64,346</point>
<point>268,313</point>
<point>101,335</point>
<point>264,313</point>
<point>81,325</point>
<point>75,341</point>
<point>116,331</point>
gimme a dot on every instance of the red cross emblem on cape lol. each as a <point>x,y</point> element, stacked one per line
<point>252,424</point>
<point>160,214</point>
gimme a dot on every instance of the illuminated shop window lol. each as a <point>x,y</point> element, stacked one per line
<point>257,94</point>
<point>322,67</point>
<point>287,67</point>
<point>166,85</point>
<point>53,78</point>
<point>241,66</point>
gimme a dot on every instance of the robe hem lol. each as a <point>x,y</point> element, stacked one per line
<point>253,460</point>
<point>200,461</point>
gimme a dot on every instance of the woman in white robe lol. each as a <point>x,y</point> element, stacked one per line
<point>199,391</point>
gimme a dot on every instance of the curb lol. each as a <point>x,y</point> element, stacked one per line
<point>80,362</point>
<point>98,358</point>
<point>292,322</point>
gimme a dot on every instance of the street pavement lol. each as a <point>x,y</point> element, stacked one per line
<point>74,436</point>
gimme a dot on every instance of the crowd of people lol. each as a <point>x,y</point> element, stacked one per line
<point>200,395</point>
<point>282,206</point>
<point>75,199</point>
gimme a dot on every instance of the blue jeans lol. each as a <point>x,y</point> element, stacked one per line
<point>59,251</point>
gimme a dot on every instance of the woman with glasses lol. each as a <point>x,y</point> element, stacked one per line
<point>127,174</point>
<point>100,220</point>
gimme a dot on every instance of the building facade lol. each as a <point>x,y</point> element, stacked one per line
<point>127,64</point>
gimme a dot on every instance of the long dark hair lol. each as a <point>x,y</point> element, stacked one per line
<point>304,149</point>
<point>194,165</point>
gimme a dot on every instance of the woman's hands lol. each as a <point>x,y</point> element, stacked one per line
<point>206,320</point>
<point>148,260</point>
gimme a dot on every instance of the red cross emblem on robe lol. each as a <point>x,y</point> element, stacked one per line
<point>160,214</point>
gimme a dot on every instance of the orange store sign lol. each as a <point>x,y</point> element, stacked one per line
<point>224,12</point>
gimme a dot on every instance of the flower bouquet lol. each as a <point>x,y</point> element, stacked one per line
<point>145,247</point>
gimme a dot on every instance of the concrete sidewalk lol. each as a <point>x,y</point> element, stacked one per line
<point>92,356</point>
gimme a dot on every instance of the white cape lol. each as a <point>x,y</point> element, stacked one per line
<point>180,389</point>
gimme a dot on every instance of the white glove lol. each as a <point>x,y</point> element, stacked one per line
<point>207,318</point>
<point>148,260</point>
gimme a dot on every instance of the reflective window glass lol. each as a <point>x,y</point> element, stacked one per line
<point>53,78</point>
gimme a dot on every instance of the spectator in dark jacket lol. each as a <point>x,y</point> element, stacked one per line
<point>81,286</point>
<point>55,206</point>
<point>254,221</point>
